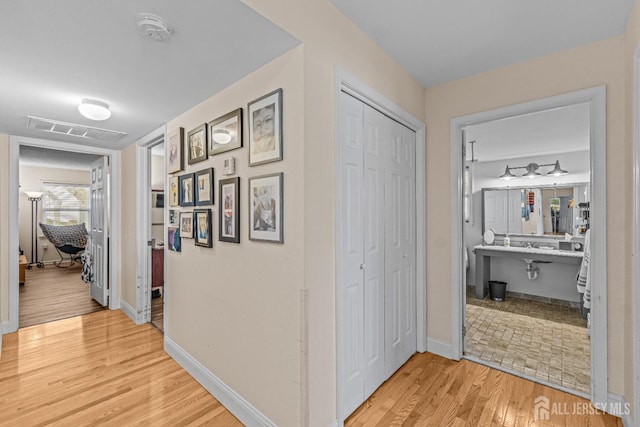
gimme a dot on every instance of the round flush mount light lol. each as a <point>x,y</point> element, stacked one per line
<point>221,136</point>
<point>94,110</point>
<point>153,27</point>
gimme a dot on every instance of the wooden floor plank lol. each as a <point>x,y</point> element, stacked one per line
<point>99,368</point>
<point>466,394</point>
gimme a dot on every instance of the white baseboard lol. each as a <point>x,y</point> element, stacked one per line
<point>619,407</point>
<point>236,404</point>
<point>440,348</point>
<point>129,311</point>
<point>5,327</point>
<point>333,424</point>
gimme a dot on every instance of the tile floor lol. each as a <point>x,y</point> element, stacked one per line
<point>539,339</point>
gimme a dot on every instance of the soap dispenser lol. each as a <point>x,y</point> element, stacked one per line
<point>507,240</point>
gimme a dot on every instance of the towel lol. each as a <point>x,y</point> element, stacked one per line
<point>584,277</point>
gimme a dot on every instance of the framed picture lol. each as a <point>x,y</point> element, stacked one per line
<point>225,133</point>
<point>204,187</point>
<point>265,128</point>
<point>197,144</point>
<point>229,218</point>
<point>174,217</point>
<point>203,227</point>
<point>174,186</point>
<point>186,225</point>
<point>173,235</point>
<point>175,152</point>
<point>187,190</point>
<point>265,208</point>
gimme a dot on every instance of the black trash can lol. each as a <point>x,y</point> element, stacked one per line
<point>497,290</point>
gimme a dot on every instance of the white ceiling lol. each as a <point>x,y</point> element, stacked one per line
<point>438,41</point>
<point>56,53</point>
<point>560,130</point>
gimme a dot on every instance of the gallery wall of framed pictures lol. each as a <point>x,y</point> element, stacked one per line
<point>218,141</point>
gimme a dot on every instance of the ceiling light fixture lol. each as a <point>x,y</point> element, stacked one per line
<point>94,110</point>
<point>532,171</point>
<point>221,136</point>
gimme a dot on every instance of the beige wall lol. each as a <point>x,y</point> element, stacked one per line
<point>329,39</point>
<point>631,42</point>
<point>596,64</point>
<point>127,238</point>
<point>236,307</point>
<point>5,245</point>
<point>31,178</point>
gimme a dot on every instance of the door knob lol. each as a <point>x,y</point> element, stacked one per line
<point>362,266</point>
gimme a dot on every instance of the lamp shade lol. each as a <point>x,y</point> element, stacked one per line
<point>33,194</point>
<point>531,171</point>
<point>94,110</point>
<point>557,170</point>
<point>507,175</point>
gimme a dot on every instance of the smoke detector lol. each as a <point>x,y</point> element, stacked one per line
<point>154,27</point>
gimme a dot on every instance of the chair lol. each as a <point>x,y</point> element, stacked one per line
<point>68,239</point>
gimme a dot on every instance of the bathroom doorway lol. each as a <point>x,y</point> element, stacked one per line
<point>527,221</point>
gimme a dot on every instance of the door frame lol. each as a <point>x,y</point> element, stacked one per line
<point>15,142</point>
<point>143,223</point>
<point>596,97</point>
<point>636,229</point>
<point>343,81</point>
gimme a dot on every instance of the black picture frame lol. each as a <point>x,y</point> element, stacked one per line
<point>197,144</point>
<point>225,133</point>
<point>266,196</point>
<point>186,225</point>
<point>187,189</point>
<point>175,152</point>
<point>202,230</point>
<point>264,121</point>
<point>229,205</point>
<point>204,187</point>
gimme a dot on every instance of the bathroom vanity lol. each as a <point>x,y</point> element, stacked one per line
<point>485,252</point>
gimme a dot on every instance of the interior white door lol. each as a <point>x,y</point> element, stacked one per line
<point>400,248</point>
<point>351,284</point>
<point>376,286</point>
<point>98,242</point>
<point>377,131</point>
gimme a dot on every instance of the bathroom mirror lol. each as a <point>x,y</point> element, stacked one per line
<point>534,211</point>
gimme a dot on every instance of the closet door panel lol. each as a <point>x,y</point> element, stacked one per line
<point>352,367</point>
<point>376,134</point>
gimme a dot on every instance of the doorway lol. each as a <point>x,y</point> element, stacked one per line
<point>596,197</point>
<point>110,207</point>
<point>366,313</point>
<point>157,205</point>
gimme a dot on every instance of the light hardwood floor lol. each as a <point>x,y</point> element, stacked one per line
<point>433,391</point>
<point>99,368</point>
<point>53,293</point>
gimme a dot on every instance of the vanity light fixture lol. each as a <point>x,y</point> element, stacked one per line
<point>94,110</point>
<point>507,175</point>
<point>532,171</point>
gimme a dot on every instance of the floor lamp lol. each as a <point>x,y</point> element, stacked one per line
<point>34,198</point>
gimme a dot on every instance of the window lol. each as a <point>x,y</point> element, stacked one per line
<point>468,194</point>
<point>65,204</point>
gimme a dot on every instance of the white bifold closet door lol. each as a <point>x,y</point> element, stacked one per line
<point>377,249</point>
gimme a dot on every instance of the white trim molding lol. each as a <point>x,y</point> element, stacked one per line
<point>130,312</point>
<point>636,231</point>
<point>344,81</point>
<point>596,97</point>
<point>618,407</point>
<point>229,398</point>
<point>440,348</point>
<point>143,222</point>
<point>14,191</point>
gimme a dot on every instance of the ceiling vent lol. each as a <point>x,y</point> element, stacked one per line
<point>154,27</point>
<point>72,129</point>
